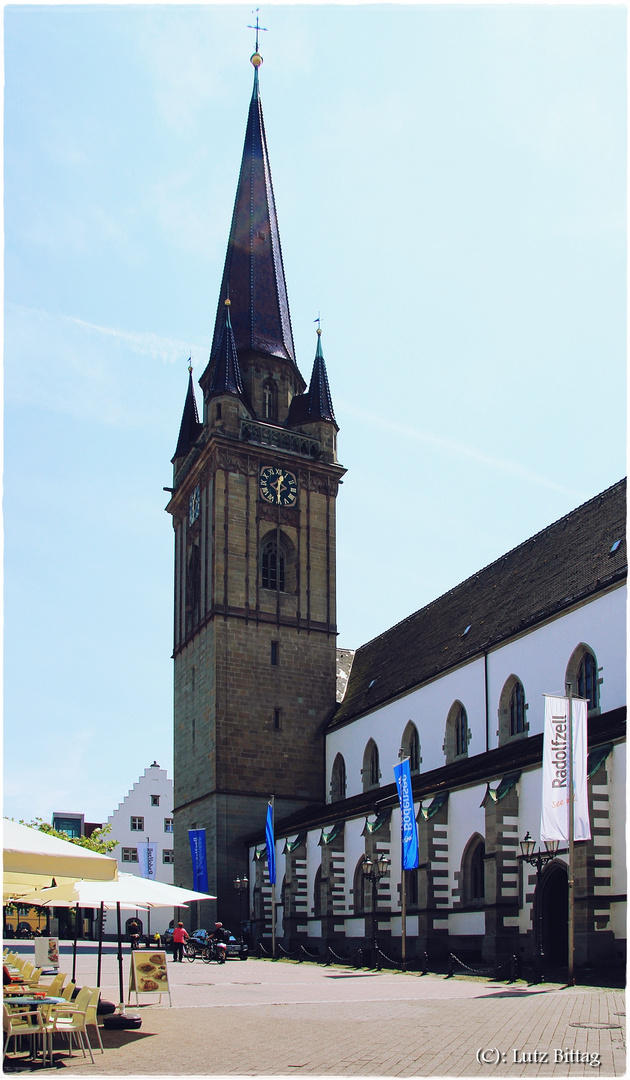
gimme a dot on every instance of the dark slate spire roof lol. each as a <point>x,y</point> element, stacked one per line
<point>253,271</point>
<point>226,377</point>
<point>319,400</point>
<point>190,427</point>
<point>577,557</point>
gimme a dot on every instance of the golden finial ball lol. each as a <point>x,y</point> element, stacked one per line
<point>228,303</point>
<point>256,59</point>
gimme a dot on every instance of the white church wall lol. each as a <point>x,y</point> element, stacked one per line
<point>540,658</point>
<point>428,708</point>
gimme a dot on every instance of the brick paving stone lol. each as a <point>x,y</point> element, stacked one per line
<point>266,1019</point>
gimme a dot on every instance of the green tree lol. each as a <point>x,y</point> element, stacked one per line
<point>98,841</point>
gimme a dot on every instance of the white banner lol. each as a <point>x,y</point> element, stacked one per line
<point>554,822</point>
<point>147,857</point>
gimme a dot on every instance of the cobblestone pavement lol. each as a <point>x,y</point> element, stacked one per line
<point>261,1018</point>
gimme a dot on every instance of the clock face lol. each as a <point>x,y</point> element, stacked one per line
<point>193,505</point>
<point>278,485</point>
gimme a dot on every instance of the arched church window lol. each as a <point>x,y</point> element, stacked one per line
<point>457,734</point>
<point>273,565</point>
<point>371,771</point>
<point>583,676</point>
<point>512,711</point>
<point>338,779</point>
<point>517,709</point>
<point>411,746</point>
<point>473,881</point>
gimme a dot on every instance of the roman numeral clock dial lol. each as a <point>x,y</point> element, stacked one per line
<point>278,486</point>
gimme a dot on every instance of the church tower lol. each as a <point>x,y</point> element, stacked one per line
<point>253,506</point>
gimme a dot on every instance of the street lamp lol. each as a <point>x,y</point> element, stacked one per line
<point>241,885</point>
<point>374,870</point>
<point>539,859</point>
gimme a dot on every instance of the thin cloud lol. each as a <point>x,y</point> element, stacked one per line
<point>455,448</point>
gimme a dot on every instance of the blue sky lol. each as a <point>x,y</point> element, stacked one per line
<point>450,184</point>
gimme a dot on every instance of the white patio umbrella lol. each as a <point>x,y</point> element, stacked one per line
<point>29,851</point>
<point>127,891</point>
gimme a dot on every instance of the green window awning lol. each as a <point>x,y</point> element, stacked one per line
<point>436,804</point>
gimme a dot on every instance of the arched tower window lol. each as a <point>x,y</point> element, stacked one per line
<point>193,587</point>
<point>583,676</point>
<point>512,711</point>
<point>457,734</point>
<point>371,771</point>
<point>338,779</point>
<point>270,401</point>
<point>411,746</point>
<point>273,565</point>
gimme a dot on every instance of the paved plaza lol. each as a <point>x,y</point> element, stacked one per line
<point>260,1018</point>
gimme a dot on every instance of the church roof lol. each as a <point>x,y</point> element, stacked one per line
<point>226,377</point>
<point>567,563</point>
<point>190,427</point>
<point>316,403</point>
<point>320,405</point>
<point>253,274</point>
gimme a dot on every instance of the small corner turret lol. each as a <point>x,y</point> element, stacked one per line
<point>313,411</point>
<point>190,427</point>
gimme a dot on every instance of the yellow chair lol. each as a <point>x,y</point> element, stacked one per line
<point>68,991</point>
<point>53,989</point>
<point>26,971</point>
<point>20,1023</point>
<point>34,977</point>
<point>92,1013</point>
<point>71,1020</point>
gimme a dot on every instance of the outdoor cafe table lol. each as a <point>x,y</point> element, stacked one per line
<point>30,999</point>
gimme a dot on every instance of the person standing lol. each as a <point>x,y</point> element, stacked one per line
<point>179,937</point>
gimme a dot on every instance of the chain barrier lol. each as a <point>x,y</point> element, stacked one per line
<point>511,963</point>
<point>289,955</point>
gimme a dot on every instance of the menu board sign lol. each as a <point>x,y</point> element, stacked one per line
<point>148,973</point>
<point>47,952</point>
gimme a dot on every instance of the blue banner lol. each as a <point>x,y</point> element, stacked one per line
<point>408,827</point>
<point>271,846</point>
<point>197,839</point>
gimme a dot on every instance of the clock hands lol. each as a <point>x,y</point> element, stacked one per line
<point>278,485</point>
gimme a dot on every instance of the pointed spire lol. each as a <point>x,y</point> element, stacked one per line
<point>226,377</point>
<point>190,427</point>
<point>253,263</point>
<point>320,405</point>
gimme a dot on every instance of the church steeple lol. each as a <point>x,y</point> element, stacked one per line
<point>253,271</point>
<point>226,377</point>
<point>190,427</point>
<point>320,405</point>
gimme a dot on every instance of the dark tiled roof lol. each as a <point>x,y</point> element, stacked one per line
<point>559,567</point>
<point>253,274</point>
<point>320,405</point>
<point>190,427</point>
<point>226,377</point>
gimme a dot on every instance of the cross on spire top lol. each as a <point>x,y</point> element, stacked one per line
<point>257,27</point>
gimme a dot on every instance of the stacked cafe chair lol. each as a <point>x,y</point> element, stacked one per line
<point>71,1020</point>
<point>92,1013</point>
<point>23,1023</point>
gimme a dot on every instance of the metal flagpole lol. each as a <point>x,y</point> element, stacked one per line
<point>273,888</point>
<point>100,943</point>
<point>403,912</point>
<point>571,943</point>
<point>403,890</point>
